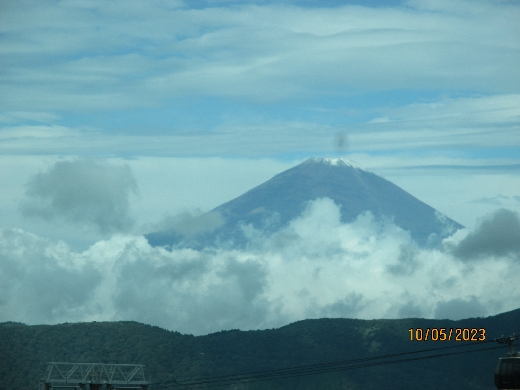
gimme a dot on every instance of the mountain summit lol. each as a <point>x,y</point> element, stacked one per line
<point>273,204</point>
<point>340,162</point>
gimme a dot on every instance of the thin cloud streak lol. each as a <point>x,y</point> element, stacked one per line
<point>465,123</point>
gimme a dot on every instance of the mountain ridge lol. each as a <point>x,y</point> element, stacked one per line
<point>169,355</point>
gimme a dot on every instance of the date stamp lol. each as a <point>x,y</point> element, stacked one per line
<point>447,334</point>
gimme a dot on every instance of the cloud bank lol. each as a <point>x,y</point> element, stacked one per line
<point>316,267</point>
<point>85,192</point>
<point>497,235</point>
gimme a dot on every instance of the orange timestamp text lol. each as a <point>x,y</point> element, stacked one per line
<point>447,334</point>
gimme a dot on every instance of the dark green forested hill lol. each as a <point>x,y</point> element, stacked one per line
<point>171,355</point>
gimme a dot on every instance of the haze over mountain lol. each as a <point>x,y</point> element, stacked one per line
<point>273,204</point>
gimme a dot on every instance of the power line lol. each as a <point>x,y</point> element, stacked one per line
<point>346,361</point>
<point>267,377</point>
<point>204,385</point>
<point>216,381</point>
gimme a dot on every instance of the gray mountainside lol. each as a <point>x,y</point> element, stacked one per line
<point>273,204</point>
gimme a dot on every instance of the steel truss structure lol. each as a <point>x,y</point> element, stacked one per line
<point>93,376</point>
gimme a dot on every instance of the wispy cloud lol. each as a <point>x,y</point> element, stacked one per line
<point>463,123</point>
<point>250,79</point>
<point>99,56</point>
<point>499,200</point>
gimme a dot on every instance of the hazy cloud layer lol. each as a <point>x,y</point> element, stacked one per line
<point>316,267</point>
<point>190,224</point>
<point>260,52</point>
<point>87,192</point>
<point>247,78</point>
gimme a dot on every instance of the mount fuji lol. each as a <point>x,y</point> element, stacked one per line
<point>273,204</point>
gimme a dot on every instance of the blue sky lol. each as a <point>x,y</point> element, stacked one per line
<point>403,84</point>
<point>76,69</point>
<point>197,102</point>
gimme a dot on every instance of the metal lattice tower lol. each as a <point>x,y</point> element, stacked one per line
<point>93,376</point>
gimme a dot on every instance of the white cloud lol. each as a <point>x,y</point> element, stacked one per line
<point>316,267</point>
<point>85,191</point>
<point>113,55</point>
<point>18,116</point>
<point>41,280</point>
<point>33,133</point>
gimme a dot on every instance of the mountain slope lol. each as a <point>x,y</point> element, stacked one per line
<point>171,355</point>
<point>271,205</point>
